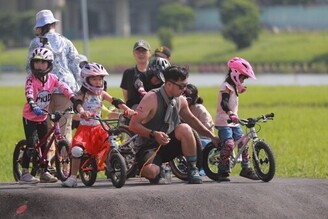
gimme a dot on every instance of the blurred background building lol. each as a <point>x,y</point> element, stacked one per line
<point>126,17</point>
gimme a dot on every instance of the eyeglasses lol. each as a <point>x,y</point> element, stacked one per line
<point>180,86</point>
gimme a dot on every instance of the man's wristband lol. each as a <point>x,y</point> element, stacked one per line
<point>151,134</point>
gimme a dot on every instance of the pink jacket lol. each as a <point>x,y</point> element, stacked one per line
<point>41,93</point>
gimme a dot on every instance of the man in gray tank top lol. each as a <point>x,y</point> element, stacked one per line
<point>161,135</point>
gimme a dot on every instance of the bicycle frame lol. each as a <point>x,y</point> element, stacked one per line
<point>53,135</point>
<point>100,158</point>
<point>251,135</point>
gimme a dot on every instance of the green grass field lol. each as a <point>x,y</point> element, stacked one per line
<point>200,48</point>
<point>297,135</point>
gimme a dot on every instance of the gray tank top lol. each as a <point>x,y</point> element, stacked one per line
<point>158,118</point>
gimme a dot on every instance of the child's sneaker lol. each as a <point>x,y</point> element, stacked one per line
<point>27,178</point>
<point>46,177</point>
<point>202,172</point>
<point>193,176</point>
<point>223,177</point>
<point>70,182</point>
<point>248,173</point>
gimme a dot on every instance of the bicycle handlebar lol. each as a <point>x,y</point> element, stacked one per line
<point>105,124</point>
<point>250,122</point>
<point>55,116</point>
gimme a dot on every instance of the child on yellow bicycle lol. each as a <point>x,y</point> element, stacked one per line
<point>39,86</point>
<point>90,136</point>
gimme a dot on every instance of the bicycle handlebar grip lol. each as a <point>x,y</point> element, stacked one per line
<point>271,115</point>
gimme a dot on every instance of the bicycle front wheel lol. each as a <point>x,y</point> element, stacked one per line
<point>264,166</point>
<point>62,160</point>
<point>88,170</point>
<point>211,158</point>
<point>116,169</point>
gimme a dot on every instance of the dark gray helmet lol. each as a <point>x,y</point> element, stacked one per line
<point>157,66</point>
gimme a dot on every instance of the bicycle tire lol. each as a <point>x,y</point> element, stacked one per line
<point>62,160</point>
<point>211,157</point>
<point>127,151</point>
<point>18,160</point>
<point>117,169</point>
<point>179,165</point>
<point>89,174</point>
<point>20,147</point>
<point>266,167</point>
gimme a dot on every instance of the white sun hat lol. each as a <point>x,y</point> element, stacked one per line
<point>44,17</point>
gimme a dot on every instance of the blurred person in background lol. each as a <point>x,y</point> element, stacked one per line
<point>163,52</point>
<point>134,78</point>
<point>65,65</point>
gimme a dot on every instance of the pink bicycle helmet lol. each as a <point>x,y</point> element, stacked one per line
<point>240,66</point>
<point>92,69</point>
<point>41,54</point>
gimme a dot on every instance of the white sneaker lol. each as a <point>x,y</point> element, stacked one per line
<point>27,178</point>
<point>70,182</point>
<point>46,177</point>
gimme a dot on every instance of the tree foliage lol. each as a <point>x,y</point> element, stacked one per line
<point>165,36</point>
<point>241,19</point>
<point>16,28</point>
<point>176,16</point>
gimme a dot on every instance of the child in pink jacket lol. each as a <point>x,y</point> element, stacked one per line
<point>40,85</point>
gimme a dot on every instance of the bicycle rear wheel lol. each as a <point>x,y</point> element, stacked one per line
<point>62,160</point>
<point>88,171</point>
<point>116,169</point>
<point>265,166</point>
<point>18,159</point>
<point>19,150</point>
<point>179,165</point>
<point>211,157</point>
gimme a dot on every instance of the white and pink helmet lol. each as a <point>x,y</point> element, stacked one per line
<point>240,66</point>
<point>41,54</point>
<point>92,69</point>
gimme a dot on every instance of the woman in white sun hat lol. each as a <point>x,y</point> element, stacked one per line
<point>65,65</point>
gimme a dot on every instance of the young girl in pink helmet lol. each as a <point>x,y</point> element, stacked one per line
<point>239,70</point>
<point>90,136</point>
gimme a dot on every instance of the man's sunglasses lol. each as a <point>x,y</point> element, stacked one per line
<point>180,86</point>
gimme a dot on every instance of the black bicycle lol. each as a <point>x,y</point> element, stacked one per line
<point>127,149</point>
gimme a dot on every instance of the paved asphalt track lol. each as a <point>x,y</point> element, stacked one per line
<point>241,198</point>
